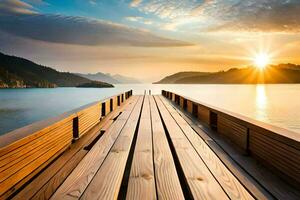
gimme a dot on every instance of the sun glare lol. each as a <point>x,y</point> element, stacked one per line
<point>261,60</point>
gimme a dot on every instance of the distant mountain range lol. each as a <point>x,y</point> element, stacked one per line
<point>18,72</point>
<point>282,73</point>
<point>112,79</point>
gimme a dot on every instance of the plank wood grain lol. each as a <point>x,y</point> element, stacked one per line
<point>107,181</point>
<point>30,169</point>
<point>231,185</point>
<point>88,118</point>
<point>27,150</point>
<point>260,181</point>
<point>43,186</point>
<point>12,190</point>
<point>35,134</point>
<point>80,178</point>
<point>235,132</point>
<point>168,185</point>
<point>201,182</point>
<point>141,183</point>
<point>17,164</point>
<point>248,181</point>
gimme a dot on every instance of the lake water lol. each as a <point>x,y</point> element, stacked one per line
<point>275,104</point>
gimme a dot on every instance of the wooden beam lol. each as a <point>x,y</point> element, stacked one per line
<point>199,179</point>
<point>168,185</point>
<point>231,185</point>
<point>107,181</point>
<point>43,186</point>
<point>82,175</point>
<point>141,183</point>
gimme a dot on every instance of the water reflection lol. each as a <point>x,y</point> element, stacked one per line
<point>275,104</point>
<point>261,103</point>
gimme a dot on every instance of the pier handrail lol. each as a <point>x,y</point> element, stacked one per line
<point>275,147</point>
<point>27,151</point>
<point>20,133</point>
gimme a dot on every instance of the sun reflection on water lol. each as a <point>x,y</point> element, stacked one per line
<point>261,103</point>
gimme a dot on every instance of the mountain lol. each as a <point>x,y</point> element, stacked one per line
<point>113,79</point>
<point>18,72</point>
<point>125,79</point>
<point>174,77</point>
<point>273,74</point>
<point>100,77</point>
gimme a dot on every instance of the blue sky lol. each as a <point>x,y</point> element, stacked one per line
<point>104,9</point>
<point>140,37</point>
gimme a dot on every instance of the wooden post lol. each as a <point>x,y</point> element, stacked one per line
<point>103,110</point>
<point>184,104</point>
<point>111,105</point>
<point>75,129</point>
<point>119,101</point>
<point>213,120</point>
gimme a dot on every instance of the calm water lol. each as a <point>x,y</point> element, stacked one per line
<point>274,104</point>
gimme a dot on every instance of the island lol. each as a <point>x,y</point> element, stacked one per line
<point>272,74</point>
<point>95,84</point>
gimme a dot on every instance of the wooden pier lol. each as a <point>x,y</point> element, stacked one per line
<point>149,147</point>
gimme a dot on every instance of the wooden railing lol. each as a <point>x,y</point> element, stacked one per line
<point>276,148</point>
<point>26,151</point>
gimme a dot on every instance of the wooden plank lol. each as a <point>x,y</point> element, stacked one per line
<point>283,135</point>
<point>181,101</point>
<point>203,114</point>
<point>231,185</point>
<point>18,163</point>
<point>88,118</point>
<point>189,106</point>
<point>106,183</point>
<point>235,132</point>
<point>43,186</point>
<point>21,162</point>
<point>201,182</point>
<point>115,102</point>
<point>270,152</point>
<point>30,169</point>
<point>107,106</point>
<point>34,134</point>
<point>21,153</point>
<point>9,192</point>
<point>141,183</point>
<point>168,185</point>
<point>80,178</point>
<point>258,180</point>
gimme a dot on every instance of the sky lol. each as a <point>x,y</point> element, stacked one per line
<point>149,39</point>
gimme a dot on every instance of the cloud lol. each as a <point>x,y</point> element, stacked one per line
<point>74,30</point>
<point>263,15</point>
<point>82,31</point>
<point>220,15</point>
<point>139,19</point>
<point>8,7</point>
<point>135,3</point>
<point>133,18</point>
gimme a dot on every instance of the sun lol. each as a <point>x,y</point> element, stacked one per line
<point>262,60</point>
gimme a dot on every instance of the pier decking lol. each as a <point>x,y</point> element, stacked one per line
<point>137,147</point>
